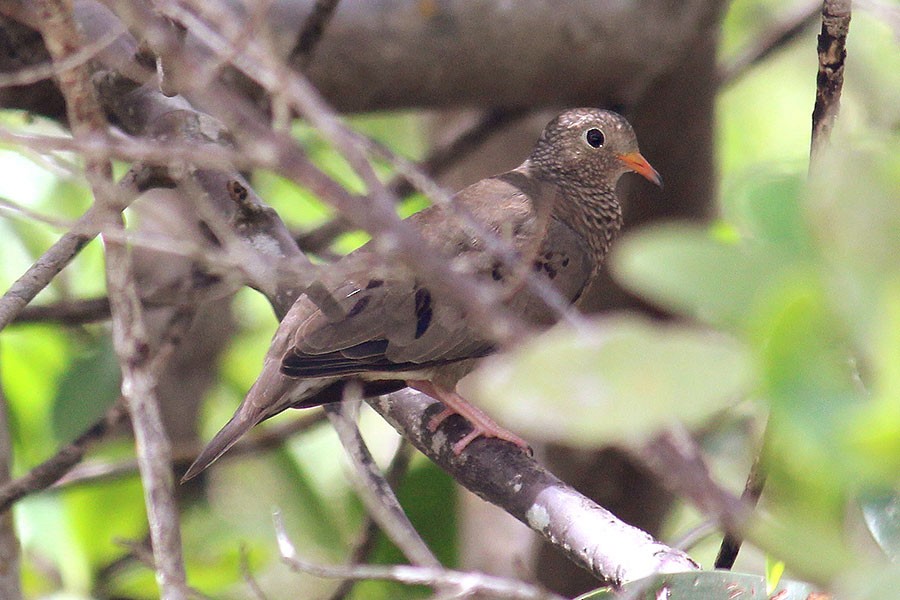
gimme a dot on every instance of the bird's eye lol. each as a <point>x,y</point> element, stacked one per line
<point>594,137</point>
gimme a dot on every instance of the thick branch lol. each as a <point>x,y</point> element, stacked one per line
<point>504,475</point>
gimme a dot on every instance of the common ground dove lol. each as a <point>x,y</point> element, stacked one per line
<point>386,330</point>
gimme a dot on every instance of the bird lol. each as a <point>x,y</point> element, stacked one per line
<point>384,329</point>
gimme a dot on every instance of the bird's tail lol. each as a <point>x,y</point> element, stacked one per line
<point>271,394</point>
<point>239,424</point>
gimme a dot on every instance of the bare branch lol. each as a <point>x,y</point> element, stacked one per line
<point>438,161</point>
<point>68,312</point>
<point>312,31</point>
<point>376,494</point>
<point>366,544</point>
<point>830,78</point>
<point>51,470</point>
<point>753,489</point>
<point>10,586</point>
<point>675,458</point>
<point>468,583</point>
<point>262,439</point>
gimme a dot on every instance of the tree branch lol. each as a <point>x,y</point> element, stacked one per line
<point>312,31</point>
<point>830,78</point>
<point>10,578</point>
<point>504,475</point>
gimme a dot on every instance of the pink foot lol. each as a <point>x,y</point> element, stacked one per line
<point>482,425</point>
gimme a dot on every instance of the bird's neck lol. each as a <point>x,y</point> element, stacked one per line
<point>593,212</point>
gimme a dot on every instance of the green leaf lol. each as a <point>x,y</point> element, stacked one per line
<point>619,379</point>
<point>704,585</point>
<point>882,516</point>
<point>87,389</point>
<point>688,270</point>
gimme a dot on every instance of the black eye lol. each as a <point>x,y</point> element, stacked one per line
<point>594,137</point>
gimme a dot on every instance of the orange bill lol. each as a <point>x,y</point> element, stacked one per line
<point>639,164</point>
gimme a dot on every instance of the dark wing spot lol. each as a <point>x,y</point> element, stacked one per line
<point>359,306</point>
<point>374,283</point>
<point>549,255</point>
<point>424,311</point>
<point>538,265</point>
<point>565,262</point>
<point>551,271</point>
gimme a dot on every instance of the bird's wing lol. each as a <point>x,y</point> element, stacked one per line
<point>392,321</point>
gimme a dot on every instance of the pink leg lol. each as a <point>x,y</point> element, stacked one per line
<point>482,425</point>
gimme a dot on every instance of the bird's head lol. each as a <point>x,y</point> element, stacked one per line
<point>589,147</point>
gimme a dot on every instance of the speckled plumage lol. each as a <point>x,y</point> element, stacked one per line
<point>558,210</point>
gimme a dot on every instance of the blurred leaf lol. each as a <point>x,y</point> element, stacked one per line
<point>89,386</point>
<point>685,269</point>
<point>882,515</point>
<point>873,434</point>
<point>766,208</point>
<point>705,585</point>
<point>619,379</point>
<point>855,215</point>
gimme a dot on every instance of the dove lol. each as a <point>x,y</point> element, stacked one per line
<point>383,328</point>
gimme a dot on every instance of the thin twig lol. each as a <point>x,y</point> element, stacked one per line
<point>10,578</point>
<point>753,489</point>
<point>830,78</point>
<point>469,583</point>
<point>377,496</point>
<point>35,73</point>
<point>438,161</point>
<point>51,470</point>
<point>675,458</point>
<point>366,544</point>
<point>67,312</point>
<point>313,28</point>
<point>262,439</point>
<point>247,574</point>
